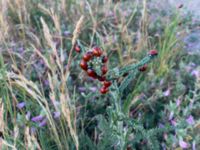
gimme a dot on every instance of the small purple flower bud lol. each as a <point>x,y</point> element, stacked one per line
<point>21,105</point>
<point>183,144</point>
<point>93,89</point>
<point>81,89</point>
<point>193,145</point>
<point>37,118</point>
<point>188,69</point>
<point>41,62</point>
<point>28,115</point>
<point>160,125</point>
<point>195,73</point>
<point>56,114</point>
<point>162,82</point>
<point>178,102</point>
<point>190,120</point>
<point>46,82</point>
<point>21,50</point>
<point>173,122</point>
<point>67,33</point>
<point>109,14</point>
<point>43,123</point>
<point>166,93</point>
<point>171,115</point>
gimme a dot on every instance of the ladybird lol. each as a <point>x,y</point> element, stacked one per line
<point>83,65</point>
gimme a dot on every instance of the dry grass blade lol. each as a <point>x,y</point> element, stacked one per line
<point>1,122</point>
<point>3,21</point>
<point>33,91</point>
<point>50,42</point>
<point>75,36</point>
<point>67,112</point>
<point>77,30</point>
<point>31,142</point>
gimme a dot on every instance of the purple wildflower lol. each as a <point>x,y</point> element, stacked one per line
<point>21,49</point>
<point>81,89</point>
<point>67,33</point>
<point>43,123</point>
<point>166,93</point>
<point>21,105</point>
<point>160,125</point>
<point>56,114</point>
<point>188,69</point>
<point>46,82</point>
<point>171,115</point>
<point>93,89</point>
<point>173,122</point>
<point>178,102</point>
<point>193,145</point>
<point>190,120</point>
<point>183,144</point>
<point>195,73</point>
<point>162,82</point>
<point>37,118</point>
<point>41,62</point>
<point>109,14</point>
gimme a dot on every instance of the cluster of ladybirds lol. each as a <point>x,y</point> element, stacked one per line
<point>97,52</point>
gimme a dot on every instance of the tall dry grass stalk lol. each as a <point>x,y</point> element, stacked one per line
<point>74,38</point>
<point>77,30</point>
<point>143,33</point>
<point>50,43</point>
<point>32,90</point>
<point>19,7</point>
<point>68,111</point>
<point>30,140</point>
<point>1,122</point>
<point>4,27</point>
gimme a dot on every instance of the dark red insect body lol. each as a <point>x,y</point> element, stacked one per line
<point>104,59</point>
<point>104,70</point>
<point>97,51</point>
<point>87,56</point>
<point>107,83</point>
<point>104,90</point>
<point>92,73</point>
<point>83,65</point>
<point>143,68</point>
<point>77,48</point>
<point>153,52</point>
